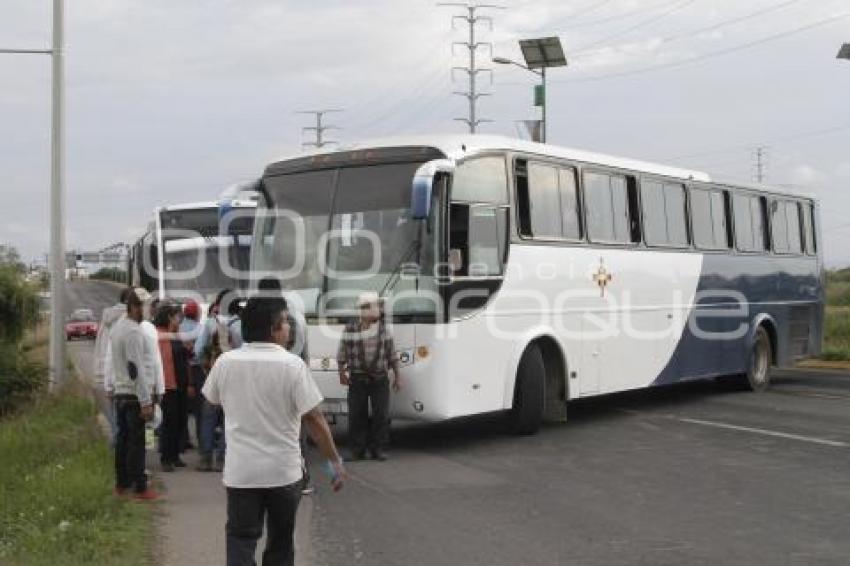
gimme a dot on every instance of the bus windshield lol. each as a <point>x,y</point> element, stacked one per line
<point>205,265</point>
<point>330,235</point>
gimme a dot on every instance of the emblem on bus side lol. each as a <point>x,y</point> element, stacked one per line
<point>602,277</point>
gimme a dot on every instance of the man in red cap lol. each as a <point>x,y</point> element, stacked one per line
<point>190,327</point>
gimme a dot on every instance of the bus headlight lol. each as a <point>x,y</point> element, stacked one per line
<point>405,357</point>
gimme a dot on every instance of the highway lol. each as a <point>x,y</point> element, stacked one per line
<point>685,475</point>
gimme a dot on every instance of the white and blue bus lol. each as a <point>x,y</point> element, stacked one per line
<point>519,276</point>
<point>194,250</point>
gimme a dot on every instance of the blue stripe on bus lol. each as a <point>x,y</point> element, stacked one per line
<point>776,286</point>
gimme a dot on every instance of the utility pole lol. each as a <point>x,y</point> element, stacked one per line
<point>472,20</point>
<point>57,197</point>
<point>320,128</point>
<point>760,164</point>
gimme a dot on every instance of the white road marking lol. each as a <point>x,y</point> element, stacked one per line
<point>765,432</point>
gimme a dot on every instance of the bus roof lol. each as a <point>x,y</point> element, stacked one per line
<point>459,146</point>
<point>239,203</point>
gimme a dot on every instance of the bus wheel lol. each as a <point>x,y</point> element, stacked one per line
<point>761,356</point>
<point>529,393</point>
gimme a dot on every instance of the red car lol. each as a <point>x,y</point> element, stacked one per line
<point>81,324</point>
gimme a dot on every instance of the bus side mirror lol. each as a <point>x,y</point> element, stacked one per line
<point>423,186</point>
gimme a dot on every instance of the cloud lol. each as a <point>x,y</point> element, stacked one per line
<point>807,176</point>
<point>172,101</point>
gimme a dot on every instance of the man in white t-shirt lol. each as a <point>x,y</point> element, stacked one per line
<point>266,393</point>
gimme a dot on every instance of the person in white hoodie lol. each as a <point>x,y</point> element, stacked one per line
<point>133,388</point>
<point>154,361</point>
<point>103,369</point>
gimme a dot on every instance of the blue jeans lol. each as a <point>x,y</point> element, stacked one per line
<point>212,417</point>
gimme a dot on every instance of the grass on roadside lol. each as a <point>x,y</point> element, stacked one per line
<point>836,344</point>
<point>56,477</point>
<point>838,293</point>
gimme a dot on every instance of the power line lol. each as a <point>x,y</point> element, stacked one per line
<point>705,56</point>
<point>725,23</point>
<point>406,105</point>
<point>729,22</point>
<point>381,93</point>
<point>320,128</point>
<point>590,8</point>
<point>397,102</point>
<point>613,18</point>
<point>472,20</point>
<point>782,139</point>
<point>679,5</point>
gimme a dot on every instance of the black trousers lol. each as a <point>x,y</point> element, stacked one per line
<point>246,510</point>
<point>368,431</point>
<point>175,417</point>
<point>129,444</point>
<point>196,404</point>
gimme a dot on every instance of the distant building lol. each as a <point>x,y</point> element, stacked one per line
<point>82,264</point>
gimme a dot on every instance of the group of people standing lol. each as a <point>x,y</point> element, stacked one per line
<point>178,352</point>
<point>244,373</point>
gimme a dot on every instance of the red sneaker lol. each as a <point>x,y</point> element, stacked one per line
<point>150,494</point>
<point>119,491</point>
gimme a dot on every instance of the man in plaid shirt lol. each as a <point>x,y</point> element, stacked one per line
<point>366,354</point>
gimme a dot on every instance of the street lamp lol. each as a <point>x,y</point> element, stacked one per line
<point>539,54</point>
<point>57,198</point>
<point>844,52</point>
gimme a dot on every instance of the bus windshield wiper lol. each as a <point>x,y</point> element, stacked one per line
<point>412,250</point>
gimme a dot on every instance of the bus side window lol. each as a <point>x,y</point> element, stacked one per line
<point>795,234</point>
<point>809,229</point>
<point>611,205</point>
<point>547,201</point>
<point>523,199</point>
<point>477,239</point>
<point>710,213</point>
<point>778,226</point>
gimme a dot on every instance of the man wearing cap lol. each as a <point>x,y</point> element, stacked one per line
<point>365,356</point>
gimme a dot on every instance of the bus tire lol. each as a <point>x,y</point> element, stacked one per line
<point>759,361</point>
<point>529,402</point>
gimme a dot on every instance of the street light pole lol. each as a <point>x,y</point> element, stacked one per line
<point>57,201</point>
<point>543,106</point>
<point>542,74</point>
<point>539,54</point>
<point>57,197</point>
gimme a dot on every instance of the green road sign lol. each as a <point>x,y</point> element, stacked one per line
<point>539,95</point>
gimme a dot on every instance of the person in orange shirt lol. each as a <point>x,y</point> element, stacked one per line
<point>175,402</point>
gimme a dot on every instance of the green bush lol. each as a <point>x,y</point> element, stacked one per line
<point>838,275</point>
<point>110,274</point>
<point>836,330</point>
<point>18,304</point>
<point>835,355</point>
<point>838,294</point>
<point>20,378</point>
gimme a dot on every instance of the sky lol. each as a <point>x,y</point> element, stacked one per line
<point>171,102</point>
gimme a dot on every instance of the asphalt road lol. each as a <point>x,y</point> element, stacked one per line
<point>687,475</point>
